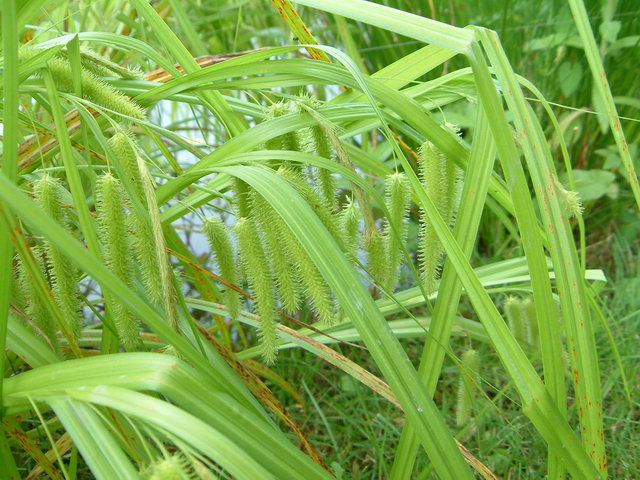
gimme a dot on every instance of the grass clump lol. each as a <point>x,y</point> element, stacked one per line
<point>174,185</point>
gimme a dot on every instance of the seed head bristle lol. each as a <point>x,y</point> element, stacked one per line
<point>220,243</point>
<point>441,179</point>
<point>64,276</point>
<point>258,272</point>
<point>110,209</point>
<point>397,199</point>
<point>467,387</point>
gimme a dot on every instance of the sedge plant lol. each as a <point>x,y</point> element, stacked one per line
<point>178,224</point>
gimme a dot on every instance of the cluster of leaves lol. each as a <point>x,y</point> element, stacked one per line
<point>305,226</point>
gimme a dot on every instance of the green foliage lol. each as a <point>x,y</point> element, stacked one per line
<point>122,155</point>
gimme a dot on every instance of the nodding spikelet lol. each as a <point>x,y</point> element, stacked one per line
<point>316,289</point>
<point>294,272</point>
<point>122,146</point>
<point>326,181</point>
<point>63,273</point>
<point>168,294</point>
<point>275,110</point>
<point>241,192</point>
<point>220,243</point>
<point>327,189</point>
<point>466,387</point>
<point>397,199</point>
<point>170,467</point>
<point>530,321</point>
<point>93,89</point>
<point>110,203</point>
<point>441,180</point>
<point>374,245</point>
<point>349,221</point>
<point>314,201</point>
<point>513,311</point>
<point>260,280</point>
<point>171,350</point>
<point>34,306</point>
<point>274,230</point>
<point>317,139</point>
<point>570,201</point>
<point>146,256</point>
<point>138,222</point>
<point>287,141</point>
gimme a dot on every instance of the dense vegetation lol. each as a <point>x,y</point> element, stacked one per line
<point>345,239</point>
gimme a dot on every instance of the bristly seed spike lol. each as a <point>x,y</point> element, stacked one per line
<point>220,243</point>
<point>441,179</point>
<point>397,199</point>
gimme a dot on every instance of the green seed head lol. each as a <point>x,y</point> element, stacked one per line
<point>241,192</point>
<point>116,245</point>
<point>31,299</point>
<point>319,142</point>
<point>513,311</point>
<point>93,89</point>
<point>316,289</point>
<point>349,221</point>
<point>171,467</point>
<point>397,199</point>
<point>220,243</point>
<point>168,293</point>
<point>260,278</point>
<point>288,141</point>
<point>314,200</point>
<point>530,321</point>
<point>63,273</point>
<point>441,179</point>
<point>376,255</point>
<point>569,200</point>
<point>123,147</point>
<point>467,387</point>
<point>276,236</point>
